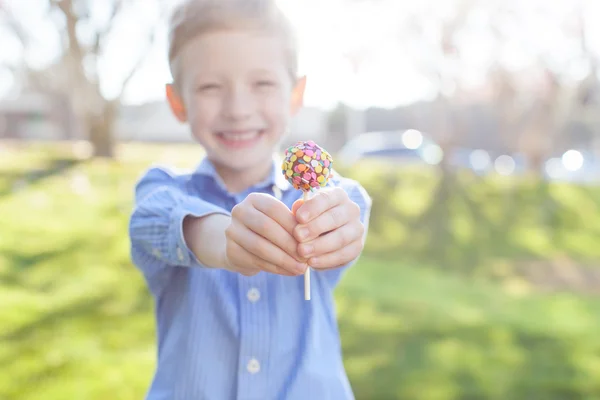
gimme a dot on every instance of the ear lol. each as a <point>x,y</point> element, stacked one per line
<point>176,103</point>
<point>297,100</point>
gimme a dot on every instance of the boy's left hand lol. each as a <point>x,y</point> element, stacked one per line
<point>329,229</point>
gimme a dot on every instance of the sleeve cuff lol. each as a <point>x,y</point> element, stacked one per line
<point>178,247</point>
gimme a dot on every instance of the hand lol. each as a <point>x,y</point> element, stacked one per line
<point>260,238</point>
<point>329,229</point>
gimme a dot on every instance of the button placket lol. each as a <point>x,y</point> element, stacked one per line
<point>254,347</point>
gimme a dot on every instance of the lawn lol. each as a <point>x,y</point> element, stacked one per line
<point>76,319</point>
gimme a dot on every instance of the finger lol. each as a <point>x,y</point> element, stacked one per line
<point>331,219</point>
<point>268,228</point>
<point>332,241</point>
<point>297,204</point>
<point>264,250</point>
<point>244,257</point>
<point>337,258</point>
<point>275,209</point>
<point>321,202</point>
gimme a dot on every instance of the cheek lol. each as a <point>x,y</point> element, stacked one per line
<point>202,112</point>
<point>276,110</point>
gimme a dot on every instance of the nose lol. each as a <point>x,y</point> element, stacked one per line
<point>239,103</point>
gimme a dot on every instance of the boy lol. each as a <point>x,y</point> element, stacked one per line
<point>223,249</point>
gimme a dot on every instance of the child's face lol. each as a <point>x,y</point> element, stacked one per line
<point>237,95</point>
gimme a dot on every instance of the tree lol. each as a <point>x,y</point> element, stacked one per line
<point>87,29</point>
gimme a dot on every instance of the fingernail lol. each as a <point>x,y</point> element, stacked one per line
<point>307,250</point>
<point>313,262</point>
<point>303,233</point>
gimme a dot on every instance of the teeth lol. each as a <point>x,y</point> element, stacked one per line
<point>240,136</point>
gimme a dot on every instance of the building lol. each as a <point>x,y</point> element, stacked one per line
<point>35,116</point>
<point>31,116</point>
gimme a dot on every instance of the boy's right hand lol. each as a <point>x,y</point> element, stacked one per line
<point>260,238</point>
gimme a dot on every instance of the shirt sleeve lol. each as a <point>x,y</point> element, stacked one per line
<point>360,196</point>
<point>156,223</point>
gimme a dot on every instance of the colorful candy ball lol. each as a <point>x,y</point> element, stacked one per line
<point>307,166</point>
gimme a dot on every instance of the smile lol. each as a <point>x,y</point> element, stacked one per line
<point>237,139</point>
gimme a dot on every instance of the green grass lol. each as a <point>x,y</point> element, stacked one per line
<point>414,333</point>
<point>76,319</point>
<point>468,223</point>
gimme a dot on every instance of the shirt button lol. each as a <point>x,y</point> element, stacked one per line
<point>253,295</point>
<point>180,253</point>
<point>253,366</point>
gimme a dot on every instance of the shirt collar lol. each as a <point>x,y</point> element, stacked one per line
<point>275,178</point>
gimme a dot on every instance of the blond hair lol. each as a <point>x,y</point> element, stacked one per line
<point>192,18</point>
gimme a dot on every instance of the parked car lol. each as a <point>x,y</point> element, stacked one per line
<point>405,147</point>
<point>576,166</point>
<point>482,162</point>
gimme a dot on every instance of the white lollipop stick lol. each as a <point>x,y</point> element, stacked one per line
<point>307,272</point>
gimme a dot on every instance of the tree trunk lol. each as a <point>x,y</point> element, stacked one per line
<point>101,131</point>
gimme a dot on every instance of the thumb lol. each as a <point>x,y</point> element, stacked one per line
<point>297,204</point>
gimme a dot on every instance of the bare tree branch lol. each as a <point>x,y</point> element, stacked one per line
<point>66,7</point>
<point>15,26</point>
<point>101,35</point>
<point>144,53</point>
<point>140,61</point>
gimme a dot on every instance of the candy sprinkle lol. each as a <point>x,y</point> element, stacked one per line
<point>307,166</point>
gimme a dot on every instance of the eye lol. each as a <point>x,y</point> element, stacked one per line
<point>208,87</point>
<point>265,83</point>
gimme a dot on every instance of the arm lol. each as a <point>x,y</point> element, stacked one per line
<point>257,237</point>
<point>170,228</point>
<point>205,237</point>
<point>166,219</point>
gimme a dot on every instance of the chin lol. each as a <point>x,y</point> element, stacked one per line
<point>245,163</point>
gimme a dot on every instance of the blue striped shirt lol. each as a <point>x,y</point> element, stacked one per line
<point>222,335</point>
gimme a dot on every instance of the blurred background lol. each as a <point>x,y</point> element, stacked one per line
<point>474,125</point>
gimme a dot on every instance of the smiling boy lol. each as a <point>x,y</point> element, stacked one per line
<point>223,248</point>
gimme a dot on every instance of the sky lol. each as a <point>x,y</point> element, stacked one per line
<point>322,41</point>
<point>391,74</point>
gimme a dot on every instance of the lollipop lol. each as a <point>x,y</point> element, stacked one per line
<point>307,167</point>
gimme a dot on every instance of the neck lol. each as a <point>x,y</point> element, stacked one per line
<point>237,181</point>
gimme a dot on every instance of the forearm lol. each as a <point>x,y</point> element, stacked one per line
<point>205,237</point>
<point>156,227</point>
